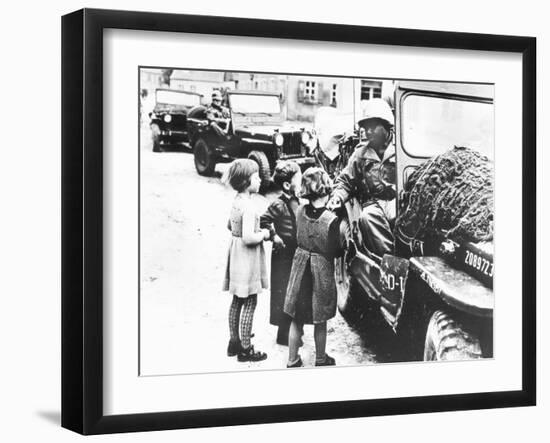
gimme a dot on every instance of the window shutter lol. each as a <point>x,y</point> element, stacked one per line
<point>320,92</point>
<point>301,90</point>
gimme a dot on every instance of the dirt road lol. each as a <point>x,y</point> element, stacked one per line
<point>184,240</point>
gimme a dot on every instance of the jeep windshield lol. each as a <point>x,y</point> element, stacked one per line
<point>177,98</point>
<point>255,104</point>
<point>432,125</point>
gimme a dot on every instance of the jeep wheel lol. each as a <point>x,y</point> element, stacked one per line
<point>263,163</point>
<point>447,340</point>
<point>347,292</point>
<point>343,285</point>
<point>205,161</point>
<point>155,137</point>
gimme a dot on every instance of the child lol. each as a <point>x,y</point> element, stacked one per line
<point>280,219</point>
<point>246,273</point>
<point>311,292</point>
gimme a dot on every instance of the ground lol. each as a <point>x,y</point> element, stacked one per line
<point>183,247</point>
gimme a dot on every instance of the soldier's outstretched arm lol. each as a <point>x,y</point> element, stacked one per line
<point>345,182</point>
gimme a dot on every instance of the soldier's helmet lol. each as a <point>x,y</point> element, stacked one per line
<point>216,95</point>
<point>376,108</point>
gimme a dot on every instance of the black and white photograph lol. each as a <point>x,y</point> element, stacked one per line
<point>296,221</point>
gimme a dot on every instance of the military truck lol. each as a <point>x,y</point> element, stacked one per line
<point>169,117</point>
<point>256,130</point>
<point>436,293</point>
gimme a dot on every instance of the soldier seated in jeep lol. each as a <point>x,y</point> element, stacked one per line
<point>370,178</point>
<point>218,115</point>
<point>252,126</point>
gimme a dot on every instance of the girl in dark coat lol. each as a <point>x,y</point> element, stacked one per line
<point>280,219</point>
<point>311,291</point>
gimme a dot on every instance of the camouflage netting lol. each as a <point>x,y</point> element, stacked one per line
<point>451,193</point>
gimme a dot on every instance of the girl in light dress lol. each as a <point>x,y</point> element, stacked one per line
<point>246,270</point>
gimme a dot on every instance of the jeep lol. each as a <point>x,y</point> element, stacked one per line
<point>256,130</point>
<point>435,294</point>
<point>169,117</point>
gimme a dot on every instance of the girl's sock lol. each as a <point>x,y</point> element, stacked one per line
<point>249,306</point>
<point>320,336</point>
<point>294,340</point>
<point>234,317</point>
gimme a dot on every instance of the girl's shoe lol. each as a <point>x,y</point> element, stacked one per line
<point>251,355</point>
<point>328,361</point>
<point>297,364</point>
<point>233,348</point>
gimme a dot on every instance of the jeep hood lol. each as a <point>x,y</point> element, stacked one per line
<point>162,108</point>
<point>266,129</point>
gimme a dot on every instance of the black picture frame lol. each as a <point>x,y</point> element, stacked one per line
<point>82,218</point>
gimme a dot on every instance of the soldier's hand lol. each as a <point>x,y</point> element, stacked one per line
<point>334,203</point>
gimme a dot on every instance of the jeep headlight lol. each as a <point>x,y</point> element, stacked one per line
<point>278,139</point>
<point>305,137</point>
<point>167,118</point>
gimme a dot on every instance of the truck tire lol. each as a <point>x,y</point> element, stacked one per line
<point>205,160</point>
<point>447,340</point>
<point>343,287</point>
<point>346,288</point>
<point>155,137</point>
<point>263,163</point>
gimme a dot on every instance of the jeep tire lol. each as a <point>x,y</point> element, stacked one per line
<point>447,340</point>
<point>263,165</point>
<point>155,137</point>
<point>343,287</point>
<point>205,160</point>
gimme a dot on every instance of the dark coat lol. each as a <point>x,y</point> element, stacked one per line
<point>281,220</point>
<point>311,291</point>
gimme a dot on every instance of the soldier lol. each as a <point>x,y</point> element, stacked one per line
<point>369,176</point>
<point>218,115</point>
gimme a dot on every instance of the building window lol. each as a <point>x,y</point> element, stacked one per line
<point>311,91</point>
<point>333,95</point>
<point>370,89</point>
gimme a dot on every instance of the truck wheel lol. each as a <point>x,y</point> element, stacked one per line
<point>347,293</point>
<point>343,285</point>
<point>346,287</point>
<point>155,137</point>
<point>447,340</point>
<point>263,163</point>
<point>205,161</point>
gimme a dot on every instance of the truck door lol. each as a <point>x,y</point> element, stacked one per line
<point>432,118</point>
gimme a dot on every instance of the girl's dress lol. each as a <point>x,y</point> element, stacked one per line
<point>311,291</point>
<point>246,269</point>
<point>280,218</point>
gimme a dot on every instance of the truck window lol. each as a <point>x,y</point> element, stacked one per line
<point>432,125</point>
<point>253,104</point>
<point>177,98</point>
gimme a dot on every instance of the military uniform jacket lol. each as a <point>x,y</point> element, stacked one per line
<point>366,177</point>
<point>214,113</point>
<point>313,262</point>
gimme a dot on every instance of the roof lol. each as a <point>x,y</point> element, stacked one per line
<point>203,76</point>
<point>177,90</point>
<point>251,92</point>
